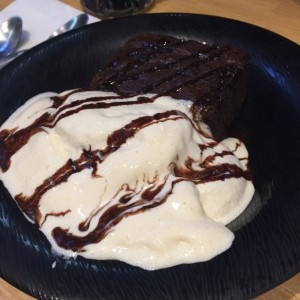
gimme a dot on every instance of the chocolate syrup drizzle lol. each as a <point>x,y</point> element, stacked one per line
<point>13,140</point>
<point>168,77</point>
<point>155,194</point>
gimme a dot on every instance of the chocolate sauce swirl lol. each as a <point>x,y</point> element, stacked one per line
<point>109,215</point>
<point>89,159</point>
<point>13,140</point>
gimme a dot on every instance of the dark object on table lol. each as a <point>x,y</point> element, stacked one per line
<point>114,8</point>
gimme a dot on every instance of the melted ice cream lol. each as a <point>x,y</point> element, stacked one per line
<point>133,179</point>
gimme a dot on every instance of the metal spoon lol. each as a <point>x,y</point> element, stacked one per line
<point>75,22</point>
<point>10,34</point>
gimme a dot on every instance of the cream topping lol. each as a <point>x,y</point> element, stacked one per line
<point>133,179</point>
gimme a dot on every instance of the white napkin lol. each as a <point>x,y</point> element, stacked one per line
<point>40,18</point>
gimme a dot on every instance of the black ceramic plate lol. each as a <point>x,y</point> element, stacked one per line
<point>266,251</point>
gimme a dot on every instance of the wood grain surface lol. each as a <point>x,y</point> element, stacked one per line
<point>280,16</point>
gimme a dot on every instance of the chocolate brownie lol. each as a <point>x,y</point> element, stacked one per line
<point>213,77</point>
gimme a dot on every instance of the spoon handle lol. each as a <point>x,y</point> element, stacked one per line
<point>76,22</point>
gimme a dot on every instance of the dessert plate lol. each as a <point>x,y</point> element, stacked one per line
<point>266,250</point>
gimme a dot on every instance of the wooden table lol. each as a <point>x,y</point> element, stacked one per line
<point>280,16</point>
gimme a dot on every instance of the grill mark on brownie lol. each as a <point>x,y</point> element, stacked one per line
<point>158,47</point>
<point>130,72</point>
<point>133,70</point>
<point>184,82</point>
<point>137,60</point>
